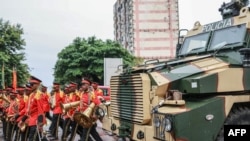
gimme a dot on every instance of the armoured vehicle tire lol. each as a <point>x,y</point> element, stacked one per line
<point>238,116</point>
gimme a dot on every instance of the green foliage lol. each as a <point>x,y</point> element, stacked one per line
<point>85,58</point>
<point>11,52</point>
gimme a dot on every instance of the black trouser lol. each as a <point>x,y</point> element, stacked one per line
<point>92,132</point>
<point>56,122</point>
<point>9,130</point>
<point>24,134</point>
<point>34,134</point>
<point>47,115</point>
<point>4,127</point>
<point>17,133</point>
<point>74,128</point>
<point>66,129</point>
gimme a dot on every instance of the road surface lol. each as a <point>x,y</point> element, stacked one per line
<point>103,134</point>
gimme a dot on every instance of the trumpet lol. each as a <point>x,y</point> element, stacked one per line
<point>67,106</point>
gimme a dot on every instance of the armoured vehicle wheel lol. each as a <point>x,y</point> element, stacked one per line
<point>238,116</point>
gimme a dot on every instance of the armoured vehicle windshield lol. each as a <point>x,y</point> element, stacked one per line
<point>195,43</point>
<point>230,35</point>
<point>214,40</point>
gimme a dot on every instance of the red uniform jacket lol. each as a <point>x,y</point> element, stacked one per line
<point>67,99</point>
<point>22,104</point>
<point>59,99</point>
<point>86,99</point>
<point>33,108</point>
<point>45,102</point>
<point>72,97</point>
<point>1,103</point>
<point>98,92</point>
<point>13,109</point>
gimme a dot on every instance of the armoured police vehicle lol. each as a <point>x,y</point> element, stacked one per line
<point>191,97</point>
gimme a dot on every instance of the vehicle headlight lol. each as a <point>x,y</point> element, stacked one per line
<point>167,124</point>
<point>157,122</point>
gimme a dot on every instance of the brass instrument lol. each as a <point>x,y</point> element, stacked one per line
<point>5,104</point>
<point>9,117</point>
<point>67,106</point>
<point>15,108</point>
<point>22,126</point>
<point>84,119</point>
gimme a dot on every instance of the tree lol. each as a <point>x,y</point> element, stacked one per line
<point>85,58</point>
<point>12,52</point>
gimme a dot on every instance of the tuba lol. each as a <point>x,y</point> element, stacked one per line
<point>84,119</point>
<point>67,106</point>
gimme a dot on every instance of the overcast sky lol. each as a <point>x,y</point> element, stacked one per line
<point>50,25</point>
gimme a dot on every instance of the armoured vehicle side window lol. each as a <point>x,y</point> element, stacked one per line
<point>228,35</point>
<point>195,43</point>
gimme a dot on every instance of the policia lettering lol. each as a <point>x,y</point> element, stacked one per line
<point>217,25</point>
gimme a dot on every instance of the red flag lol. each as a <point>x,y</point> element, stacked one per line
<point>14,81</point>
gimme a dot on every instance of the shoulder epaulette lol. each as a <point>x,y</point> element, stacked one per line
<point>70,96</point>
<point>92,94</point>
<point>25,98</point>
<point>61,94</point>
<point>38,94</point>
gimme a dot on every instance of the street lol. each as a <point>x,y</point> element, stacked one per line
<point>103,135</point>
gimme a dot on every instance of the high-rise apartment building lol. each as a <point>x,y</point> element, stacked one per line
<point>147,28</point>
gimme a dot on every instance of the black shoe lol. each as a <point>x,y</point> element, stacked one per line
<point>68,133</point>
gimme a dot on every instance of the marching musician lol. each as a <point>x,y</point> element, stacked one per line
<point>67,116</point>
<point>21,99</point>
<point>3,107</point>
<point>98,92</point>
<point>23,133</point>
<point>74,95</point>
<point>6,93</point>
<point>87,97</point>
<point>33,112</point>
<point>56,99</point>
<point>12,110</point>
<point>45,101</point>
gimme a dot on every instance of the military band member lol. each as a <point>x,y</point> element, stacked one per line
<point>74,95</point>
<point>45,101</point>
<point>56,99</point>
<point>33,112</point>
<point>96,89</point>
<point>12,110</point>
<point>87,97</point>
<point>21,98</point>
<point>3,113</point>
<point>67,115</point>
<point>24,132</point>
<point>6,93</point>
